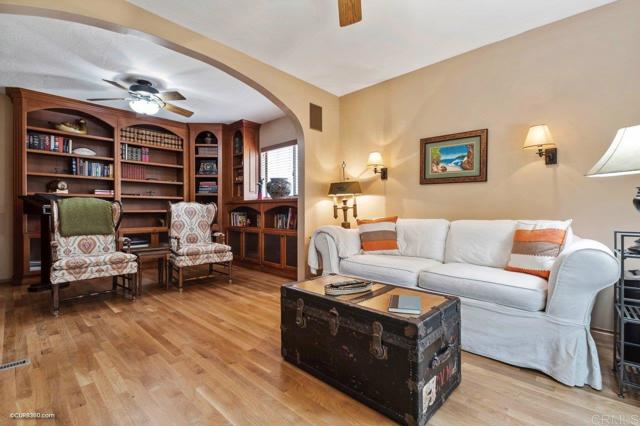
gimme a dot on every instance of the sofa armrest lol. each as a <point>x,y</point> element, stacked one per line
<point>332,243</point>
<point>578,274</point>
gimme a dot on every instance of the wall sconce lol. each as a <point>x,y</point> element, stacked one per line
<point>375,161</point>
<point>539,137</point>
<point>344,190</point>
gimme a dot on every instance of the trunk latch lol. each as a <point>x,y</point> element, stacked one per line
<point>334,321</point>
<point>376,348</point>
<point>301,321</point>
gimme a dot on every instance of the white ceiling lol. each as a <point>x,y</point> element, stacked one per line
<point>69,59</point>
<point>302,37</point>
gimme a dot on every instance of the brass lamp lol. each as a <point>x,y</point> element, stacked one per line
<point>539,137</point>
<point>344,190</point>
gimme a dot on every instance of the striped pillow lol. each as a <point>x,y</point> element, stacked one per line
<point>536,245</point>
<point>379,235</point>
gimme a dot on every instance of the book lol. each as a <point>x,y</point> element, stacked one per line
<point>402,304</point>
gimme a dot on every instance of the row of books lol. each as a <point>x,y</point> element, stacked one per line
<point>139,242</point>
<point>150,137</point>
<point>134,153</point>
<point>208,150</point>
<point>103,191</point>
<point>80,167</point>
<point>208,187</point>
<point>133,171</point>
<point>49,143</point>
<point>287,220</point>
<point>208,167</point>
<point>241,219</point>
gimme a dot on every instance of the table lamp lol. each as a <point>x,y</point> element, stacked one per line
<point>622,158</point>
<point>345,189</point>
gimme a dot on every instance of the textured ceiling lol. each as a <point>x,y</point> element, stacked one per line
<point>70,59</point>
<point>302,37</point>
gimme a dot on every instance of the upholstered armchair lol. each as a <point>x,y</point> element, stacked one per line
<point>85,257</point>
<point>192,242</point>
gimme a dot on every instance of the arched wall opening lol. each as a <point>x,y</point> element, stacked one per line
<point>122,17</point>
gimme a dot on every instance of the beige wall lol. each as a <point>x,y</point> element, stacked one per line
<point>6,188</point>
<point>580,76</point>
<point>277,131</point>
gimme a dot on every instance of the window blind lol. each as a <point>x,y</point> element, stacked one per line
<point>281,163</point>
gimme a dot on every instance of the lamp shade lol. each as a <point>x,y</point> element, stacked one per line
<point>538,136</point>
<point>623,155</point>
<point>375,159</point>
<point>345,188</point>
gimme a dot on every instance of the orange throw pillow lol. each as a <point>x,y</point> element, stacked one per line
<point>536,245</point>
<point>378,236</point>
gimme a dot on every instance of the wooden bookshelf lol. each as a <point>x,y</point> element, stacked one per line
<point>260,244</point>
<point>242,158</point>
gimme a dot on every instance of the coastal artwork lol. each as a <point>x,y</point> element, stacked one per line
<point>459,157</point>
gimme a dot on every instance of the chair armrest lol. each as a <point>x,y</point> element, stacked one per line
<point>124,244</point>
<point>577,276</point>
<point>219,237</point>
<point>53,246</point>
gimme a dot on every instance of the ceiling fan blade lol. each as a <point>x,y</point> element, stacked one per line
<point>177,110</point>
<point>172,96</point>
<point>116,84</point>
<point>107,99</point>
<point>350,12</point>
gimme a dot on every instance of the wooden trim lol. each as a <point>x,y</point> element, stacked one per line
<point>482,133</point>
<point>279,145</point>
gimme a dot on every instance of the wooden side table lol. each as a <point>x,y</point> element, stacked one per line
<point>160,251</point>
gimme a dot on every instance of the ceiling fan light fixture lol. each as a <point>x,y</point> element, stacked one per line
<point>147,106</point>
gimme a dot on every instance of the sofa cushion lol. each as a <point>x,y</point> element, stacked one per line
<point>399,270</point>
<point>422,237</point>
<point>480,242</point>
<point>513,289</point>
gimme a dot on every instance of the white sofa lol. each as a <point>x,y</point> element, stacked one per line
<point>512,317</point>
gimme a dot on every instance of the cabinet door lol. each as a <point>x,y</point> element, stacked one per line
<point>272,250</point>
<point>291,250</point>
<point>251,246</point>
<point>234,239</point>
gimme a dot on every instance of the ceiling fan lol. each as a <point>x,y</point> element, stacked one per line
<point>146,99</point>
<point>350,12</point>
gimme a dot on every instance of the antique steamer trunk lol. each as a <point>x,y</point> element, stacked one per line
<point>404,366</point>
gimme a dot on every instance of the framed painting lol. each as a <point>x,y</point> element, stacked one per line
<point>455,158</point>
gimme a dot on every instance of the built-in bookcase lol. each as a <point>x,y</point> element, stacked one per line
<point>206,163</point>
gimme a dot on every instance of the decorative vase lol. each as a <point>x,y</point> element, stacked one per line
<point>279,187</point>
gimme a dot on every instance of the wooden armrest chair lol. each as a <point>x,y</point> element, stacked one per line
<point>193,243</point>
<point>85,257</point>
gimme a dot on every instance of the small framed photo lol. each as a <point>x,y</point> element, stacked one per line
<point>455,158</point>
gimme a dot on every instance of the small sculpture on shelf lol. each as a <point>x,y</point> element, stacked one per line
<point>58,186</point>
<point>79,127</point>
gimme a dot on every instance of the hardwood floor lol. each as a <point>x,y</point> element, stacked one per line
<point>211,356</point>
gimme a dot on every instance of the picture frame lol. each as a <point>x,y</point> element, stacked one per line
<point>454,158</point>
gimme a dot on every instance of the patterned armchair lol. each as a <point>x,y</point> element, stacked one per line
<point>192,241</point>
<point>84,257</point>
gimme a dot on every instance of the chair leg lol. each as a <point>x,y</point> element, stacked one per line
<point>114,284</point>
<point>210,268</point>
<point>180,279</point>
<point>230,273</point>
<point>55,299</point>
<point>133,286</point>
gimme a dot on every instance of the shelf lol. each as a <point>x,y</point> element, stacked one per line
<point>207,156</point>
<point>66,176</point>
<point>144,211</point>
<point>280,231</point>
<point>68,134</point>
<point>238,167</point>
<point>244,228</point>
<point>206,194</point>
<point>151,181</point>
<point>152,197</point>
<point>206,144</point>
<point>206,176</point>
<point>631,313</point>
<point>143,230</point>
<point>162,148</point>
<point>73,195</point>
<point>65,154</point>
<point>149,163</point>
